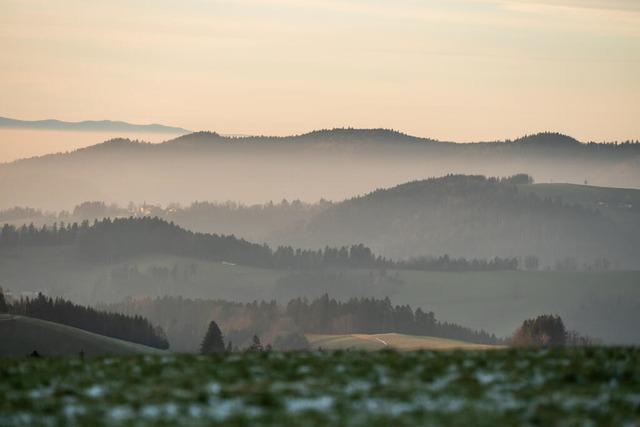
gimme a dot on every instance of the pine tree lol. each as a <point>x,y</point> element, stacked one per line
<point>213,341</point>
<point>256,345</point>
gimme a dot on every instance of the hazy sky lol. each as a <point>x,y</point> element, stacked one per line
<point>451,69</point>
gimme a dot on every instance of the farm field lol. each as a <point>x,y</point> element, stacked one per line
<point>393,341</point>
<point>21,335</point>
<point>575,386</point>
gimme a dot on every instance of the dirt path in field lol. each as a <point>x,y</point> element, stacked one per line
<point>382,341</point>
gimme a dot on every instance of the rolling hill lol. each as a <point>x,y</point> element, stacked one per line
<point>332,164</point>
<point>475,216</point>
<point>389,341</point>
<point>602,304</point>
<point>21,335</point>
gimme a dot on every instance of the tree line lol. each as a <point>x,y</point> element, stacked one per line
<point>327,315</point>
<point>185,320</point>
<point>113,240</point>
<point>134,329</point>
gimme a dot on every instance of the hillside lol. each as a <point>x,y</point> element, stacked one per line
<point>389,341</point>
<point>566,226</point>
<point>474,216</point>
<point>21,335</point>
<point>602,304</point>
<point>332,164</point>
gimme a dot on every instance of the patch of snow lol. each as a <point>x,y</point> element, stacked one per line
<point>322,403</point>
<point>120,413</point>
<point>95,391</point>
<point>213,388</point>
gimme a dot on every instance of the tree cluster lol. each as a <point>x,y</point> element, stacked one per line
<point>545,330</point>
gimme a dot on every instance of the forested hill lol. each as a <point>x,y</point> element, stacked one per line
<point>475,216</point>
<point>331,164</point>
<point>112,241</point>
<point>564,226</point>
<point>363,139</point>
<point>342,136</point>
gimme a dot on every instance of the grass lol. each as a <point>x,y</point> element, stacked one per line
<point>393,341</point>
<point>563,387</point>
<point>21,335</point>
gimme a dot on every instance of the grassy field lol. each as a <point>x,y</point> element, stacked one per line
<point>564,387</point>
<point>399,342</point>
<point>19,336</point>
<point>602,304</point>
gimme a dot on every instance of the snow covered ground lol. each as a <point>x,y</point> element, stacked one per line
<point>591,386</point>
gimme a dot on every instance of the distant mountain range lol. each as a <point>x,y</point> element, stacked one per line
<point>88,126</point>
<point>332,164</point>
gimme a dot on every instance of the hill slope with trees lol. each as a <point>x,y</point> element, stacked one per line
<point>476,216</point>
<point>331,164</point>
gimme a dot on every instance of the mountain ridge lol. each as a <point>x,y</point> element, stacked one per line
<point>88,125</point>
<point>331,164</point>
<point>343,136</point>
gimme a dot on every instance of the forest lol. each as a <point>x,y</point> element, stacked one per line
<point>115,240</point>
<point>564,227</point>
<point>185,320</point>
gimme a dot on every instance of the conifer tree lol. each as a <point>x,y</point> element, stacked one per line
<point>256,345</point>
<point>213,341</point>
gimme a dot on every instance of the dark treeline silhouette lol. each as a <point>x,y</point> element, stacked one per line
<point>134,329</point>
<point>257,222</point>
<point>543,140</point>
<point>186,320</point>
<point>119,239</point>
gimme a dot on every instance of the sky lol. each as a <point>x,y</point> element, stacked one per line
<point>461,70</point>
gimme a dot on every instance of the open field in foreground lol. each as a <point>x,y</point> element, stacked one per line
<point>20,335</point>
<point>393,341</point>
<point>589,386</point>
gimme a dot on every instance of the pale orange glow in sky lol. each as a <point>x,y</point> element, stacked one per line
<point>453,69</point>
